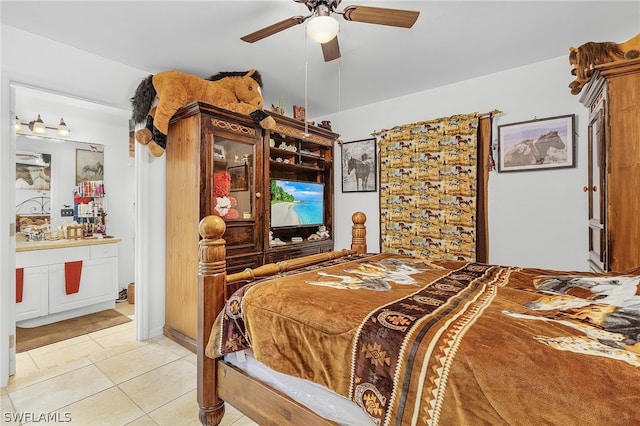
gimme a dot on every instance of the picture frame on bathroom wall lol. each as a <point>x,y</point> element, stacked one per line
<point>89,165</point>
<point>33,171</point>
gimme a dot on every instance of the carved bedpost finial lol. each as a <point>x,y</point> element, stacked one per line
<point>211,227</point>
<point>359,233</point>
<point>211,250</point>
<point>211,284</point>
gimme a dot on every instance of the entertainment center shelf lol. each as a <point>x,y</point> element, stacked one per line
<point>278,165</point>
<point>293,250</point>
<point>204,140</point>
<point>299,155</point>
<point>290,160</point>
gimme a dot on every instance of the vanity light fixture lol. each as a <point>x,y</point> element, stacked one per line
<point>18,125</point>
<point>63,130</point>
<point>38,127</point>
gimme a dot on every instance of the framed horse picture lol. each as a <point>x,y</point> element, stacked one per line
<point>359,166</point>
<point>545,143</point>
<point>89,164</point>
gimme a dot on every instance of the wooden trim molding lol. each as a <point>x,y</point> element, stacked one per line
<point>289,131</point>
<point>233,127</point>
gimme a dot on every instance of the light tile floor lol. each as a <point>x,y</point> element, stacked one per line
<point>107,378</point>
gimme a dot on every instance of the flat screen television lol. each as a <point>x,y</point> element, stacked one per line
<point>296,203</point>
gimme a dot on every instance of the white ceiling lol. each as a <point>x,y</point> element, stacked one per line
<point>451,41</point>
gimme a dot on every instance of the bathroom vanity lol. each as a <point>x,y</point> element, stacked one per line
<point>44,270</point>
<point>59,185</point>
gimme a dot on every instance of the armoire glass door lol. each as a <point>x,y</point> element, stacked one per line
<point>234,181</point>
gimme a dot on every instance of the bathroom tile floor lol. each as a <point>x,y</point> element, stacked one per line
<point>107,378</point>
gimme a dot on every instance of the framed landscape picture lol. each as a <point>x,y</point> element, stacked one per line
<point>546,143</point>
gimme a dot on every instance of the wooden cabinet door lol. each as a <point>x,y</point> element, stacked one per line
<point>597,189</point>
<point>612,97</point>
<point>234,156</point>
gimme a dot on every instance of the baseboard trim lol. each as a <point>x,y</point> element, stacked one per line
<point>180,338</point>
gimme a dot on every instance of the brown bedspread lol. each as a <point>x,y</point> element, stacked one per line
<point>418,342</point>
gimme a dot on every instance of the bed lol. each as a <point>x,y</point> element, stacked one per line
<point>398,340</point>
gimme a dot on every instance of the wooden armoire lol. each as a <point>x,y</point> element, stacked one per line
<point>204,140</point>
<point>613,98</point>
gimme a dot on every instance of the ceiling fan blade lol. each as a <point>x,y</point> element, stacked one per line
<point>381,16</point>
<point>331,50</point>
<point>273,29</point>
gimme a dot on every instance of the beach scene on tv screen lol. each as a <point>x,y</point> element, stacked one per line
<point>296,203</point>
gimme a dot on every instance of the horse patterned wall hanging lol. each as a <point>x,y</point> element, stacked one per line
<point>583,59</point>
<point>171,90</point>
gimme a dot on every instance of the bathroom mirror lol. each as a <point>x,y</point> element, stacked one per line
<point>47,176</point>
<point>33,184</point>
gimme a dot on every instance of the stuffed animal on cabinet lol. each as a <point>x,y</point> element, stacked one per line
<point>159,96</point>
<point>584,58</point>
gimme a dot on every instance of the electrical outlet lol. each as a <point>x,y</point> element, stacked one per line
<point>66,212</point>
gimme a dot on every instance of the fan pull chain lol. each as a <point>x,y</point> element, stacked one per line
<point>339,90</point>
<point>306,89</point>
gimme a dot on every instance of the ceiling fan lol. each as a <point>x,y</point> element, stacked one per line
<point>321,10</point>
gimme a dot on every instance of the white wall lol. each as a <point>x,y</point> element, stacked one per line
<point>537,218</point>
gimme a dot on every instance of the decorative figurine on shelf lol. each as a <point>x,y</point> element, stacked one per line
<point>278,109</point>
<point>325,124</point>
<point>275,241</point>
<point>237,91</point>
<point>224,203</point>
<point>299,113</point>
<point>322,232</point>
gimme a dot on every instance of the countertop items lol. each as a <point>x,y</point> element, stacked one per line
<point>53,244</point>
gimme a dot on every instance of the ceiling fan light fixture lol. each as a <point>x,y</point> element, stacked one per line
<point>323,29</point>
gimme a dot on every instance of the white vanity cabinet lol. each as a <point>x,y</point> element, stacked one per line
<point>35,293</point>
<point>45,299</point>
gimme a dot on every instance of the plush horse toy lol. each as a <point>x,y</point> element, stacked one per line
<point>584,58</point>
<point>235,91</point>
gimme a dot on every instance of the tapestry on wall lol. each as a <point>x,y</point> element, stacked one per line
<point>428,188</point>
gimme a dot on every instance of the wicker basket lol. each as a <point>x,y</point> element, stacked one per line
<point>131,291</point>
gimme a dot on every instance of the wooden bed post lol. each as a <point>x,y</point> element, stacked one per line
<point>359,233</point>
<point>211,284</point>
